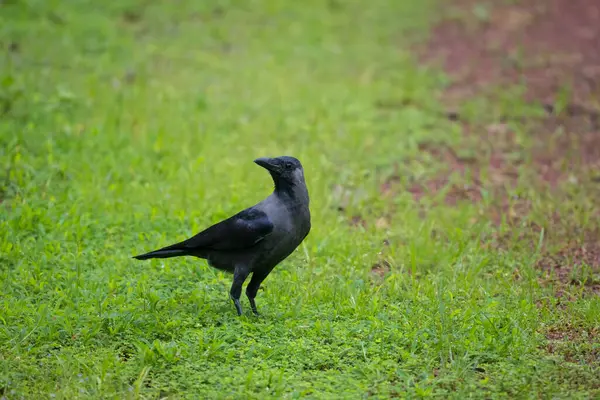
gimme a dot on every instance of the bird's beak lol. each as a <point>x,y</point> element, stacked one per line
<point>269,164</point>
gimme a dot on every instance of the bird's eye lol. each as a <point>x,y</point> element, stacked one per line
<point>288,165</point>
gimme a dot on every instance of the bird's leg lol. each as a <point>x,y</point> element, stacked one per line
<point>253,287</point>
<point>239,276</point>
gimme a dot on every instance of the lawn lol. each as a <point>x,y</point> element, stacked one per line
<point>128,126</point>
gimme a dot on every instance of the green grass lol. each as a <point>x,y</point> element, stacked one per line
<point>128,127</point>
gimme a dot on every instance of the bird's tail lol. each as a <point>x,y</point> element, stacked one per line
<point>174,250</point>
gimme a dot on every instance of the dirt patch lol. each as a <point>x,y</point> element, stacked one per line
<point>357,220</point>
<point>574,343</point>
<point>549,46</point>
<point>551,49</point>
<point>576,263</point>
<point>494,148</point>
<point>381,269</point>
<point>492,171</point>
<point>454,164</point>
<point>572,333</point>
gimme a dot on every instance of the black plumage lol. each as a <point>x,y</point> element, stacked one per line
<point>254,240</point>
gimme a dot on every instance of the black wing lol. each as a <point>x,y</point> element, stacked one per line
<point>240,231</point>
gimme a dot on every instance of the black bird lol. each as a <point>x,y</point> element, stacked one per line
<point>257,239</point>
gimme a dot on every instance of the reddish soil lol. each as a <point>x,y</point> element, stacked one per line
<point>552,49</point>
<point>546,44</point>
<point>578,253</point>
<point>570,342</point>
<point>380,269</point>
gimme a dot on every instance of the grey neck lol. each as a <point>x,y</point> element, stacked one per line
<point>296,193</point>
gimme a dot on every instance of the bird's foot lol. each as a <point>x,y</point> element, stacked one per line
<point>253,306</point>
<point>238,306</point>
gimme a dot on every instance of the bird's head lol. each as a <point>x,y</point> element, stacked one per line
<point>285,170</point>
